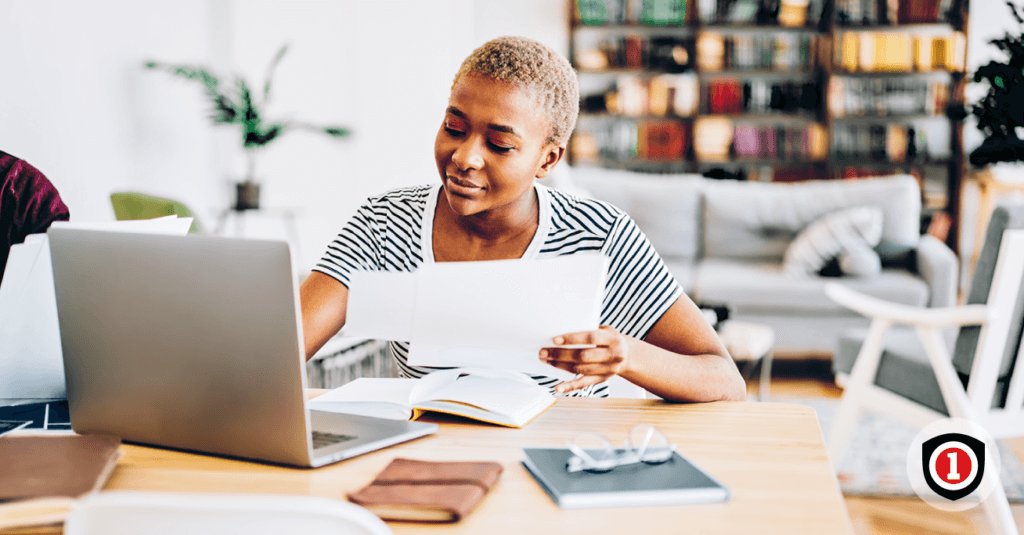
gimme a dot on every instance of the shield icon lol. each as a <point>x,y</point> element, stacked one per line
<point>947,442</point>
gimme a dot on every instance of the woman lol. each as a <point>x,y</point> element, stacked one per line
<point>512,107</point>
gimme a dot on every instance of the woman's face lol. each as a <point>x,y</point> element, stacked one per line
<point>492,144</point>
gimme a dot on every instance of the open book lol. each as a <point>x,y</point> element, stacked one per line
<point>493,396</point>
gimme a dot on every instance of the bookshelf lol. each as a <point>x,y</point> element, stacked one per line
<point>775,90</point>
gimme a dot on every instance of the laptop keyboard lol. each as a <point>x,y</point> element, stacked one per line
<point>322,439</point>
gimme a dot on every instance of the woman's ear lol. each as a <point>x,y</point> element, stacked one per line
<point>552,155</point>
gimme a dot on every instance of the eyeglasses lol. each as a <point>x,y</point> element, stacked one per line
<point>592,452</point>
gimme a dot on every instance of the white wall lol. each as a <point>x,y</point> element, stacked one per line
<point>76,103</point>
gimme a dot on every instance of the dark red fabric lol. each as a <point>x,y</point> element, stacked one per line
<point>28,204</point>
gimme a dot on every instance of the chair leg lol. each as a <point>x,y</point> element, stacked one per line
<point>766,375</point>
<point>842,427</point>
<point>997,508</point>
<point>861,376</point>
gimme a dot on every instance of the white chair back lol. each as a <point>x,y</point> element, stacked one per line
<point>1000,337</point>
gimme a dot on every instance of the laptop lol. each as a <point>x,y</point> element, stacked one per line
<point>195,343</point>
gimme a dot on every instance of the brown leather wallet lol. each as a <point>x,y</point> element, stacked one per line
<point>427,491</point>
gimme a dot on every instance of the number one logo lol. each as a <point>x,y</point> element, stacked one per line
<point>953,464</point>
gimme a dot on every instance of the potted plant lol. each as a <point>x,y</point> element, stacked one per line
<point>235,104</point>
<point>1001,111</point>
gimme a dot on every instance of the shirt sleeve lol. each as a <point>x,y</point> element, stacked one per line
<point>640,289</point>
<point>356,248</point>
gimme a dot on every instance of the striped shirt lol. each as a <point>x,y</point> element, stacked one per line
<point>392,232</point>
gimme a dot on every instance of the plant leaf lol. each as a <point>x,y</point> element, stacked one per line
<point>270,71</point>
<point>337,131</point>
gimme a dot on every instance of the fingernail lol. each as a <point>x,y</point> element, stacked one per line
<point>559,340</point>
<point>543,354</point>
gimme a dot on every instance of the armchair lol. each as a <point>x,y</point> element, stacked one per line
<point>922,384</point>
<point>139,206</point>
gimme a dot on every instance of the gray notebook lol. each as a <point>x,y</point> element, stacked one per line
<point>677,481</point>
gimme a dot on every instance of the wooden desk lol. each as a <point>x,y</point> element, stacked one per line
<point>770,455</point>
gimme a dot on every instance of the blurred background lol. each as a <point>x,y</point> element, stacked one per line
<point>77,102</point>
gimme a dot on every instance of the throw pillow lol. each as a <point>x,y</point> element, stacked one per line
<point>859,260</point>
<point>831,235</point>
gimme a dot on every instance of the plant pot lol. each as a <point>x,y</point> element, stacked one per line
<point>247,196</point>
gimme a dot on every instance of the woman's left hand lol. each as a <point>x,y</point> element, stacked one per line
<point>608,357</point>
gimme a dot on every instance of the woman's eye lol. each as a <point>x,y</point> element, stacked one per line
<point>499,148</point>
<point>453,131</point>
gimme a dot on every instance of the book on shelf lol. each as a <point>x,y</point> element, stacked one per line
<point>428,491</point>
<point>875,97</point>
<point>780,142</point>
<point>890,12</point>
<point>647,12</point>
<point>712,138</point>
<point>42,476</point>
<point>499,397</point>
<point>662,140</point>
<point>890,142</point>
<point>677,481</point>
<point>659,53</point>
<point>890,51</point>
<point>660,12</point>
<point>638,96</point>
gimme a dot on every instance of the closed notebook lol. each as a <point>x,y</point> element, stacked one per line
<point>677,481</point>
<point>428,491</point>
<point>40,476</point>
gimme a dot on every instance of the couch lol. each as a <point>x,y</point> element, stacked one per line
<point>724,241</point>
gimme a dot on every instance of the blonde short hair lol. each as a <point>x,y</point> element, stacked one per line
<point>538,70</point>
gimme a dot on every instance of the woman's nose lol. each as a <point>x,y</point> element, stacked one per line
<point>467,155</point>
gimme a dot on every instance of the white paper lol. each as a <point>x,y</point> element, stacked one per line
<point>170,224</point>
<point>496,314</point>
<point>380,305</point>
<point>500,314</point>
<point>31,364</point>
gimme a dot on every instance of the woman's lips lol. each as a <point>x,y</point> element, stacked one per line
<point>462,187</point>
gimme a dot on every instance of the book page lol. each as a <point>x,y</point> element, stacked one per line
<point>388,389</point>
<point>514,398</point>
<point>378,397</point>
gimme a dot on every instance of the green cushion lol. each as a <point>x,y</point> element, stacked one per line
<point>140,206</point>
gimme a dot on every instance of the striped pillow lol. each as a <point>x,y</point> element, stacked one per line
<point>832,235</point>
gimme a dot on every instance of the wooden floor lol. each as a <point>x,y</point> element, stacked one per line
<point>889,516</point>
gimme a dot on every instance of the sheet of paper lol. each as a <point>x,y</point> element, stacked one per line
<point>380,305</point>
<point>501,313</point>
<point>170,224</point>
<point>31,363</point>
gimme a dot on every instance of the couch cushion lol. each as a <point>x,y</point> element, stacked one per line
<point>755,220</point>
<point>831,235</point>
<point>763,285</point>
<point>667,208</point>
<point>685,272</point>
<point>1005,217</point>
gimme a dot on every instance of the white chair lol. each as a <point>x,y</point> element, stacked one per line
<point>172,513</point>
<point>978,383</point>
